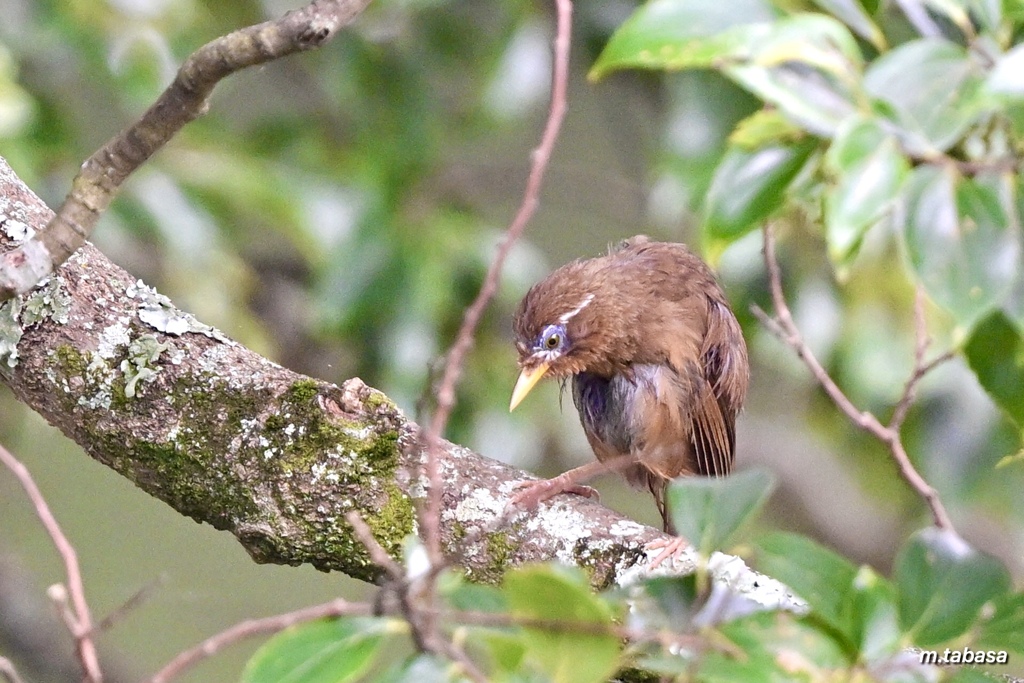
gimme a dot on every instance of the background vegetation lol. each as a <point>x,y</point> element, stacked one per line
<point>336,211</point>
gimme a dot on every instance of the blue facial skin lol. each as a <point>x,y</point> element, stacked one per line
<point>552,340</point>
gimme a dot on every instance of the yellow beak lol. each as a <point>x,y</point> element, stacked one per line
<point>527,380</point>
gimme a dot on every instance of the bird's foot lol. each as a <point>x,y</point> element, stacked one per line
<point>671,548</point>
<point>535,491</point>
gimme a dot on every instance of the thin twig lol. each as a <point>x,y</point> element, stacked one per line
<point>78,619</point>
<point>255,627</point>
<point>128,606</point>
<point>784,327</point>
<point>408,593</point>
<point>9,673</point>
<point>455,653</point>
<point>430,517</point>
<point>430,512</point>
<point>451,649</point>
<point>379,556</point>
<point>921,366</point>
<point>187,98</point>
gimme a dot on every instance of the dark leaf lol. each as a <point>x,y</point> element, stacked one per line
<point>942,583</point>
<point>748,187</point>
<point>869,171</point>
<point>932,88</point>
<point>961,240</point>
<point>328,651</point>
<point>708,511</point>
<point>995,352</point>
<point>818,575</point>
<point>557,593</point>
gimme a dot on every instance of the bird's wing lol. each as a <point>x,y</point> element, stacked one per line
<point>724,357</point>
<point>720,392</point>
<point>674,421</point>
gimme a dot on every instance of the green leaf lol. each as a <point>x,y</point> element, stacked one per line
<point>772,647</point>
<point>964,14</point>
<point>749,186</point>
<point>986,14</point>
<point>669,600</point>
<point>1004,630</point>
<point>477,597</point>
<point>851,13</point>
<point>869,171</point>
<point>328,651</point>
<point>709,510</point>
<point>763,128</point>
<point>932,90</point>
<point>995,352</point>
<point>505,650</point>
<point>502,647</point>
<point>961,241</point>
<point>559,593</point>
<point>818,575</point>
<point>874,616</point>
<point>942,583</point>
<point>1013,306</point>
<point>674,34</point>
<point>807,65</point>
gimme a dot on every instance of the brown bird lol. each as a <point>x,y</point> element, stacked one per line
<point>657,360</point>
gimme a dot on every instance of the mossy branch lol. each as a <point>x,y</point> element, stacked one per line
<point>229,438</point>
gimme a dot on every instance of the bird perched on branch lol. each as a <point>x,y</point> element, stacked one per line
<point>657,360</point>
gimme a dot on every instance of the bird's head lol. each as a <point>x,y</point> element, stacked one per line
<point>556,328</point>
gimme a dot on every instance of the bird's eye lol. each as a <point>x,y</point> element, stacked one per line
<point>552,338</point>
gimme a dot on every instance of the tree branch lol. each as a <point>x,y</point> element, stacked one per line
<point>464,339</point>
<point>8,671</point>
<point>276,458</point>
<point>784,327</point>
<point>76,614</point>
<point>183,101</point>
<point>251,628</point>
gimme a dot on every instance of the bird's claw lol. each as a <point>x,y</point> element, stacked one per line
<point>534,491</point>
<point>671,548</point>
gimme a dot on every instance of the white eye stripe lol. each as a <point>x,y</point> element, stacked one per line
<point>566,317</point>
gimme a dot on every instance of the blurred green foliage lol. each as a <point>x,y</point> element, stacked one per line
<point>336,211</point>
<point>544,623</point>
